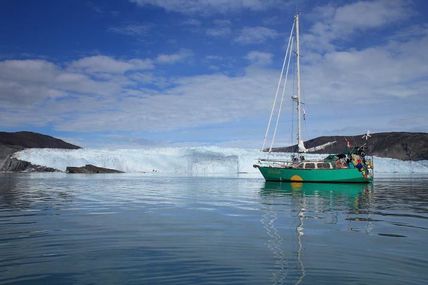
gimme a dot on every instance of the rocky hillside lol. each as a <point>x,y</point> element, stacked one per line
<point>33,140</point>
<point>13,142</point>
<point>399,145</point>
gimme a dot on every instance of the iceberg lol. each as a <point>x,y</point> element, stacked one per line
<point>185,161</point>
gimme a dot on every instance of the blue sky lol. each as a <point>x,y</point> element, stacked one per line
<point>203,72</point>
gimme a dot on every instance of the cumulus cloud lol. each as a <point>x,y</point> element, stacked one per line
<point>221,28</point>
<point>193,101</point>
<point>74,98</point>
<point>341,22</point>
<point>219,31</point>
<point>352,86</point>
<point>369,14</point>
<point>106,64</point>
<point>32,70</point>
<point>132,29</point>
<point>372,73</point>
<point>210,6</point>
<point>368,75</point>
<point>174,57</point>
<point>192,22</point>
<point>29,81</point>
<point>256,35</point>
<point>261,58</point>
<point>26,82</point>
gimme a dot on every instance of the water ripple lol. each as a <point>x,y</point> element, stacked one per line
<point>136,229</point>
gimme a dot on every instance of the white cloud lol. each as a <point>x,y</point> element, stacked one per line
<point>409,33</point>
<point>34,70</point>
<point>370,14</point>
<point>192,22</point>
<point>174,57</point>
<point>256,35</point>
<point>194,101</point>
<point>210,6</point>
<point>89,103</point>
<point>341,22</point>
<point>105,64</point>
<point>132,29</point>
<point>368,76</point>
<point>260,58</point>
<point>388,70</point>
<point>221,28</point>
<point>219,31</point>
<point>355,86</point>
<point>352,82</point>
<point>26,82</point>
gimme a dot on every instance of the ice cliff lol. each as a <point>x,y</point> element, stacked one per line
<point>183,161</point>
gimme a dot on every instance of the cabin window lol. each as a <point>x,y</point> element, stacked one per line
<point>323,165</point>
<point>309,165</point>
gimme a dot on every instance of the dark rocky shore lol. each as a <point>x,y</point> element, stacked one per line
<point>13,142</point>
<point>89,168</point>
<point>399,145</point>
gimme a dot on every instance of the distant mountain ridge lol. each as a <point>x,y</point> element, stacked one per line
<point>399,145</point>
<point>33,140</point>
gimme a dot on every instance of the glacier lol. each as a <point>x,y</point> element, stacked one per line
<point>186,161</point>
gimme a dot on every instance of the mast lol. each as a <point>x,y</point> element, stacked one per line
<point>300,145</point>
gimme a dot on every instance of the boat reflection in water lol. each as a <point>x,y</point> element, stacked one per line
<point>291,210</point>
<point>322,190</point>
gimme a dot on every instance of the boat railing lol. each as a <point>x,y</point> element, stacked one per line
<point>274,162</point>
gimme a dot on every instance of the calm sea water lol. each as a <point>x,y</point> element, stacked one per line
<point>135,229</point>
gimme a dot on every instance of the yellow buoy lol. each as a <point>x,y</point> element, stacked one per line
<point>296,178</point>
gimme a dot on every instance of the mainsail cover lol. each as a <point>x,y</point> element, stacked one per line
<point>320,147</point>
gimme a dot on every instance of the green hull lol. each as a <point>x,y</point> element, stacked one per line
<point>314,175</point>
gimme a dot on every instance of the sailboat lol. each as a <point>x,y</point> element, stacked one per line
<point>349,166</point>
